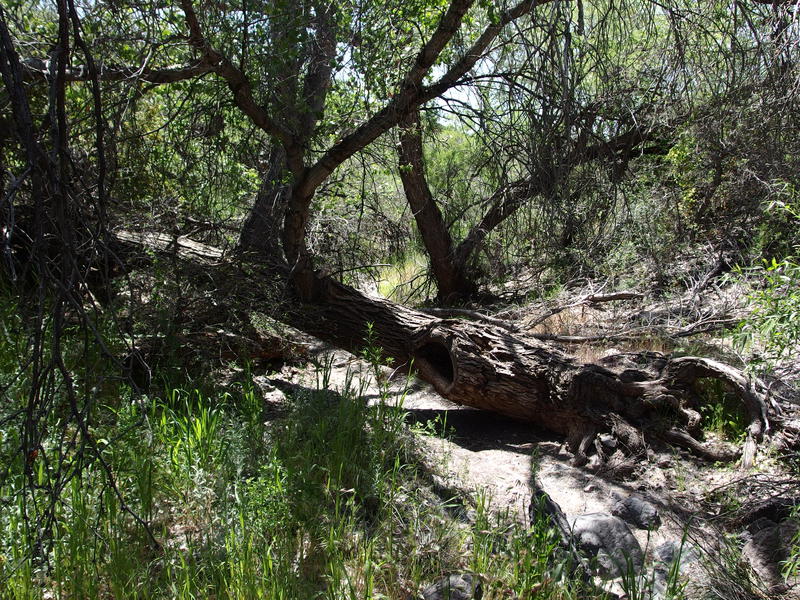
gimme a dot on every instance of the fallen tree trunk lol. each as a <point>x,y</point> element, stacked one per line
<point>636,398</point>
<point>486,367</point>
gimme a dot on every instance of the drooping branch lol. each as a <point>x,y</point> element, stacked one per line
<point>507,200</point>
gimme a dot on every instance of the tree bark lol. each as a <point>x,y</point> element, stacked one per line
<point>478,365</point>
<point>638,398</point>
<point>450,275</point>
<point>261,231</point>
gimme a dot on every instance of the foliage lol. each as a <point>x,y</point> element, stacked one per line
<point>95,475</point>
<point>772,328</point>
<point>721,411</point>
<point>775,318</point>
<point>325,502</point>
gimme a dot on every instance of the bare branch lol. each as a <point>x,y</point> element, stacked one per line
<point>510,198</point>
<point>240,86</point>
<point>477,50</point>
<point>35,69</point>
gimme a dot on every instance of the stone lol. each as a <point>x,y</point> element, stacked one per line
<point>638,512</point>
<point>768,549</point>
<point>759,524</point>
<point>668,552</point>
<point>457,586</point>
<point>668,578</point>
<point>594,463</point>
<point>663,460</point>
<point>607,540</point>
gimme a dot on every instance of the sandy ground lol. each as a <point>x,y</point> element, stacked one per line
<point>499,458</point>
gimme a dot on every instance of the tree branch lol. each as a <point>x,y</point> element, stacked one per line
<point>406,99</point>
<point>241,87</point>
<point>477,50</point>
<point>318,77</point>
<point>411,93</point>
<point>507,200</point>
<point>36,69</point>
<point>503,203</point>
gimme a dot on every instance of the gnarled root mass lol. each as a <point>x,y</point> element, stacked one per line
<point>650,398</point>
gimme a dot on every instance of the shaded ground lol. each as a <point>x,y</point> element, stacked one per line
<point>482,455</point>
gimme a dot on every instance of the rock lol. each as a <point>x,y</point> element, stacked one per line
<point>594,463</point>
<point>663,460</point>
<point>668,552</point>
<point>665,584</point>
<point>638,512</point>
<point>608,540</point>
<point>767,549</point>
<point>458,586</point>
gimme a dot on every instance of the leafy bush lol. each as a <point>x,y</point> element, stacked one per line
<point>773,325</point>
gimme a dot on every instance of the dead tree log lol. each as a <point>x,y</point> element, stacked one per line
<point>486,367</point>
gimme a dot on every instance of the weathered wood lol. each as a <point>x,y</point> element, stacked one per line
<point>483,366</point>
<point>478,365</point>
<point>186,248</point>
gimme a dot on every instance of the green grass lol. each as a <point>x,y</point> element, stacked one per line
<point>332,505</point>
<point>403,281</point>
<point>329,502</point>
<point>721,411</point>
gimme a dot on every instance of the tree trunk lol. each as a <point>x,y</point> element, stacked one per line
<point>261,232</point>
<point>450,275</point>
<point>639,399</point>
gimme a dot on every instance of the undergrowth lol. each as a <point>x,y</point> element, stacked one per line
<point>326,502</point>
<point>721,410</point>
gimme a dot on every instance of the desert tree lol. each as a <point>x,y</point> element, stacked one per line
<point>321,82</point>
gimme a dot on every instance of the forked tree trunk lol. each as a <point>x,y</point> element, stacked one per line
<point>485,367</point>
